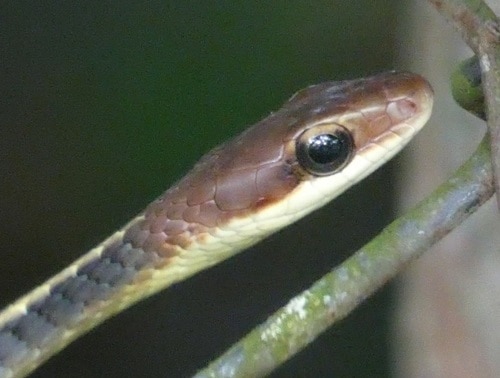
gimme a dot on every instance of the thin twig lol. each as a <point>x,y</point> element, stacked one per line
<point>480,29</point>
<point>335,295</point>
<point>489,59</point>
<point>468,17</point>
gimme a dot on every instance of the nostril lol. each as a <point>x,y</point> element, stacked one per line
<point>401,109</point>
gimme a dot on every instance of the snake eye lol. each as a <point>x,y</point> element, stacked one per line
<point>324,149</point>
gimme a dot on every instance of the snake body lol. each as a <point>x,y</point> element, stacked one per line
<point>324,139</point>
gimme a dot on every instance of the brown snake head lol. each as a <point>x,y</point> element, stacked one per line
<point>324,139</point>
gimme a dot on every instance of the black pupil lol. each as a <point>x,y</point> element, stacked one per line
<point>326,148</point>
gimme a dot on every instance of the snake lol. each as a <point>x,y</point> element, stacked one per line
<point>324,139</point>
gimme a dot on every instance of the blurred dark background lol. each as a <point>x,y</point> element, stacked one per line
<point>103,105</point>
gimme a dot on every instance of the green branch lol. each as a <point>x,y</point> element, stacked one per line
<point>336,294</point>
